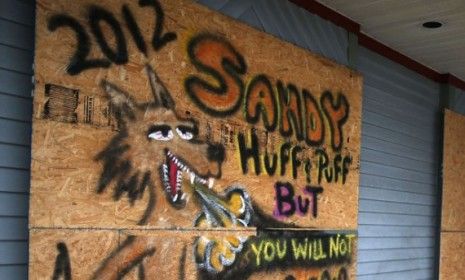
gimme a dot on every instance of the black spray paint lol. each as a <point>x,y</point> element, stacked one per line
<point>62,269</point>
<point>97,16</point>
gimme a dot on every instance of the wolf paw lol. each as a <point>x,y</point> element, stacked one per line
<point>214,254</point>
<point>232,211</point>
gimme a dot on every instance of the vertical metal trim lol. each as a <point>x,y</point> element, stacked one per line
<point>446,93</point>
<point>352,50</point>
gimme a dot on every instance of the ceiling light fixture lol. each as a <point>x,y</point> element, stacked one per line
<point>432,24</point>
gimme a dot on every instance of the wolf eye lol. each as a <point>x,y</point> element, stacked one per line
<point>161,133</point>
<point>184,133</point>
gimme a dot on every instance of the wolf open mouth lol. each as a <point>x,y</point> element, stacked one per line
<point>172,173</point>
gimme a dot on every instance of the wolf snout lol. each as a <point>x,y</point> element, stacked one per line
<point>215,152</point>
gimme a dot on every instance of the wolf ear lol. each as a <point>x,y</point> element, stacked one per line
<point>161,96</point>
<point>123,106</point>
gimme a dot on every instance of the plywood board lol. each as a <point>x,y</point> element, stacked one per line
<point>267,84</point>
<point>177,254</point>
<point>68,253</point>
<point>453,193</point>
<point>156,116</point>
<point>452,264</point>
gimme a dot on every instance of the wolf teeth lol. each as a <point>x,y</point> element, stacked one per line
<point>183,168</point>
<point>192,178</point>
<point>176,161</point>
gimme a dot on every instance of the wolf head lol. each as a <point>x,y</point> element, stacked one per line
<point>155,147</point>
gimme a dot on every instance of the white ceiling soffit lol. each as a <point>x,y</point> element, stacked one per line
<point>398,24</point>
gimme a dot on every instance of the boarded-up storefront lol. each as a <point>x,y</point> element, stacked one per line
<point>171,141</point>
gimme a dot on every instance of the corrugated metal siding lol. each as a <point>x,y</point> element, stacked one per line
<point>288,22</point>
<point>398,188</point>
<point>457,102</point>
<point>16,55</point>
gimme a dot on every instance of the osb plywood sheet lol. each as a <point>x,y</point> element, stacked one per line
<point>57,253</point>
<point>452,264</point>
<point>453,173</point>
<point>167,136</point>
<point>271,120</point>
<point>104,254</point>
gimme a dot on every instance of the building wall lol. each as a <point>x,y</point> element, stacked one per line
<point>16,54</point>
<point>398,192</point>
<point>457,101</point>
<point>288,22</point>
<point>399,169</point>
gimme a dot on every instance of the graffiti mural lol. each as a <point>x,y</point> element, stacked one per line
<point>168,145</point>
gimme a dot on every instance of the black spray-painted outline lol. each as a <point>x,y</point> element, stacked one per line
<point>295,161</point>
<point>182,263</point>
<point>335,106</point>
<point>62,263</point>
<point>78,61</point>
<point>134,29</point>
<point>331,173</point>
<point>284,156</point>
<point>117,169</point>
<point>260,109</point>
<point>306,95</point>
<point>299,206</point>
<point>294,120</point>
<point>136,262</point>
<point>228,66</point>
<point>248,151</point>
<point>243,268</point>
<point>97,15</point>
<point>159,40</point>
<point>270,168</point>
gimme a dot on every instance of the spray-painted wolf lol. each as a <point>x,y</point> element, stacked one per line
<point>156,152</point>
